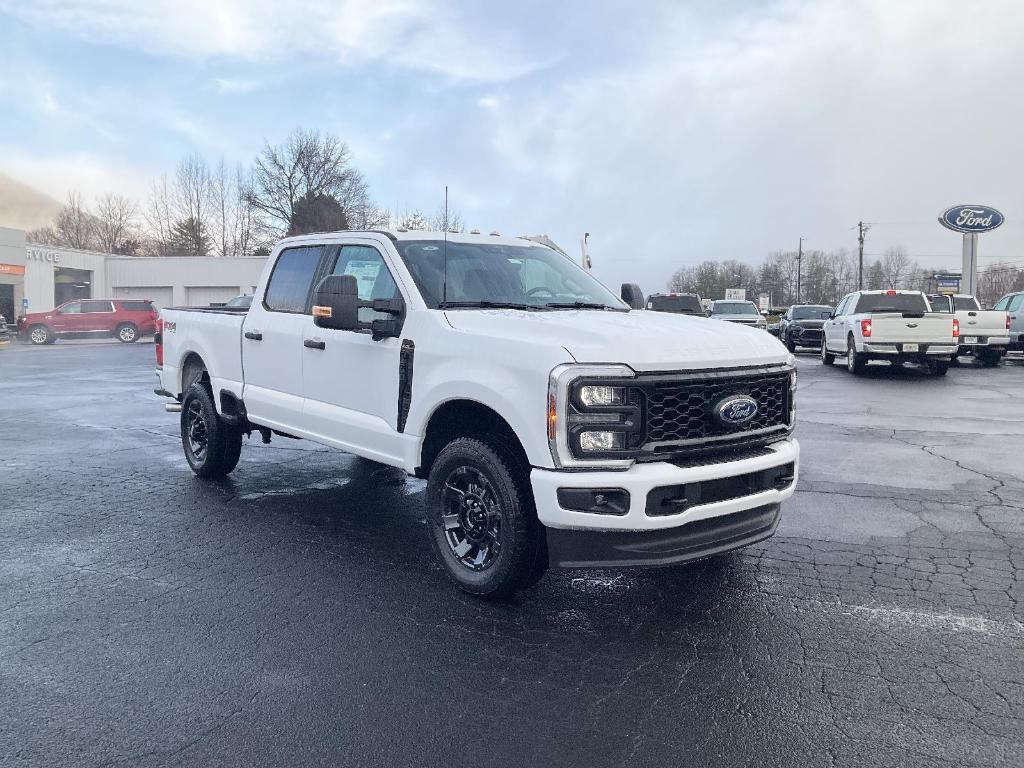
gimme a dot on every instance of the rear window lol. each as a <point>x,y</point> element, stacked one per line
<point>965,304</point>
<point>682,304</point>
<point>137,306</point>
<point>900,302</point>
<point>292,279</point>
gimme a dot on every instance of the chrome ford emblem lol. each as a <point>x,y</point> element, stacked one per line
<point>735,410</point>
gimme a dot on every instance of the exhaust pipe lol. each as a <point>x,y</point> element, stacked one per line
<point>172,407</point>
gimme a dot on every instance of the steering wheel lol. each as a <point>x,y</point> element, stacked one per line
<point>541,289</point>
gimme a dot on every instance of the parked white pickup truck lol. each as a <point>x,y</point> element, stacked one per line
<point>898,326</point>
<point>554,425</point>
<point>985,334</point>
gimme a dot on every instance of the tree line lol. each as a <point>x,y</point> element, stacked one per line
<point>827,276</point>
<point>307,183</point>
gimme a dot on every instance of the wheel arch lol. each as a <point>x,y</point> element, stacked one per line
<point>464,417</point>
<point>192,368</point>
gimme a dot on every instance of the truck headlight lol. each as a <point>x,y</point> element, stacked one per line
<point>591,395</point>
<point>592,419</point>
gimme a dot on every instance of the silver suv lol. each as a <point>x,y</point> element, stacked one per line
<point>1014,304</point>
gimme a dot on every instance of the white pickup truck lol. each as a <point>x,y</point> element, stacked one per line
<point>554,426</point>
<point>898,326</point>
<point>984,334</point>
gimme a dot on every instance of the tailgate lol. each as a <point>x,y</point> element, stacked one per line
<point>987,323</point>
<point>892,327</point>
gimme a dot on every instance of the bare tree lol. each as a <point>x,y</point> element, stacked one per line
<point>450,221</point>
<point>115,220</point>
<point>307,165</point>
<point>895,264</point>
<point>158,217</point>
<point>192,206</point>
<point>75,225</point>
<point>414,220</point>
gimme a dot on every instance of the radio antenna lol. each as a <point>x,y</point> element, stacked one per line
<point>444,283</point>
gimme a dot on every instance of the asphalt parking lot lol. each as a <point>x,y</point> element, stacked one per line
<point>293,614</point>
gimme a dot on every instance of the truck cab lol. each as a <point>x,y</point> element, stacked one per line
<point>554,426</point>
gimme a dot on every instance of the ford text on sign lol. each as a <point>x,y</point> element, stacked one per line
<point>971,218</point>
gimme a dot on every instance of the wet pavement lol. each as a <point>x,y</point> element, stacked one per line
<point>293,614</point>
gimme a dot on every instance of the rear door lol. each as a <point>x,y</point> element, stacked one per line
<point>1016,309</point>
<point>272,336</point>
<point>350,380</point>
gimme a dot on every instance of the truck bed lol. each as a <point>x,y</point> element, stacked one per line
<point>212,333</point>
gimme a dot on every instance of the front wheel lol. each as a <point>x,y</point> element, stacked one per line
<point>481,518</point>
<point>40,334</point>
<point>212,446</point>
<point>790,345</point>
<point>827,358</point>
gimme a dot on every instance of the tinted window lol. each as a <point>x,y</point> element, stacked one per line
<point>372,276</point>
<point>292,279</point>
<point>733,308</point>
<point>811,313</point>
<point>684,304</point>
<point>965,303</point>
<point>1016,302</point>
<point>899,302</point>
<point>97,306</point>
<point>137,306</point>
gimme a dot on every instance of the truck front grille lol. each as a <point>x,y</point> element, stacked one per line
<point>679,410</point>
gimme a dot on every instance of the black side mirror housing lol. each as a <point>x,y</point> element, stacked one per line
<point>632,295</point>
<point>336,305</point>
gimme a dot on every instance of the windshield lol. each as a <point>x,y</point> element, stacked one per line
<point>896,302</point>
<point>485,274</point>
<point>681,304</point>
<point>811,313</point>
<point>733,308</point>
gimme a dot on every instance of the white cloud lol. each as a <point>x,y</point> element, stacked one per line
<point>414,34</point>
<point>92,175</point>
<point>235,85</point>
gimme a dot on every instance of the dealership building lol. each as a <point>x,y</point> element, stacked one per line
<point>37,278</point>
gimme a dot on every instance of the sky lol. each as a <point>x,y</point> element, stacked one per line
<point>672,132</point>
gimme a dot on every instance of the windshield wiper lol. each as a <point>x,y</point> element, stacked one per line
<point>580,305</point>
<point>485,305</point>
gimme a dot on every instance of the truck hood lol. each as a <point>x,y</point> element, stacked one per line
<point>645,341</point>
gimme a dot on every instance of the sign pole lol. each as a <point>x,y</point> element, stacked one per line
<point>969,280</point>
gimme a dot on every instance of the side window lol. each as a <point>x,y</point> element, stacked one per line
<point>292,280</point>
<point>1001,304</point>
<point>74,308</point>
<point>92,307</point>
<point>366,264</point>
<point>841,306</point>
<point>1016,302</point>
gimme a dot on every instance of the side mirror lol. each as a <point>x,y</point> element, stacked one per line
<point>336,305</point>
<point>632,295</point>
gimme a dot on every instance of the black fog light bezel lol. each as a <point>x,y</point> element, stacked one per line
<point>595,501</point>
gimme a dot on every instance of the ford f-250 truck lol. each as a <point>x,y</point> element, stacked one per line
<point>984,334</point>
<point>898,326</point>
<point>554,426</point>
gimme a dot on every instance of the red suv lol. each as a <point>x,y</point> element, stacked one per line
<point>124,320</point>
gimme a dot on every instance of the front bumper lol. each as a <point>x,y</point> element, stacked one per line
<point>641,479</point>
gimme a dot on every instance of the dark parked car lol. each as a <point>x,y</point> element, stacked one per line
<point>678,303</point>
<point>125,320</point>
<point>801,325</point>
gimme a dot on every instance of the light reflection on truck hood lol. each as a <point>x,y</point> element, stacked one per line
<point>646,341</point>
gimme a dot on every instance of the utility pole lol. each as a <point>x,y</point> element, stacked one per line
<point>799,258</point>
<point>862,228</point>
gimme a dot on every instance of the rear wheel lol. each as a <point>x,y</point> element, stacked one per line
<point>990,357</point>
<point>855,361</point>
<point>40,334</point>
<point>938,367</point>
<point>212,446</point>
<point>481,518</point>
<point>827,357</point>
<point>127,333</point>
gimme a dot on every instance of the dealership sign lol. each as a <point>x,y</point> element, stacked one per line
<point>970,219</point>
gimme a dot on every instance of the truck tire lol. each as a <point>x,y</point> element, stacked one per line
<point>126,333</point>
<point>938,367</point>
<point>827,358</point>
<point>40,334</point>
<point>855,361</point>
<point>481,518</point>
<point>989,357</point>
<point>790,345</point>
<point>212,446</point>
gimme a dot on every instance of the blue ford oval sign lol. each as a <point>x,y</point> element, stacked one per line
<point>736,410</point>
<point>971,218</point>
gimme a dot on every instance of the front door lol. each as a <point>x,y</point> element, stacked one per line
<point>272,340</point>
<point>350,380</point>
<point>66,318</point>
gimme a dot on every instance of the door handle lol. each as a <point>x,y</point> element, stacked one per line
<point>314,344</point>
<point>254,335</point>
